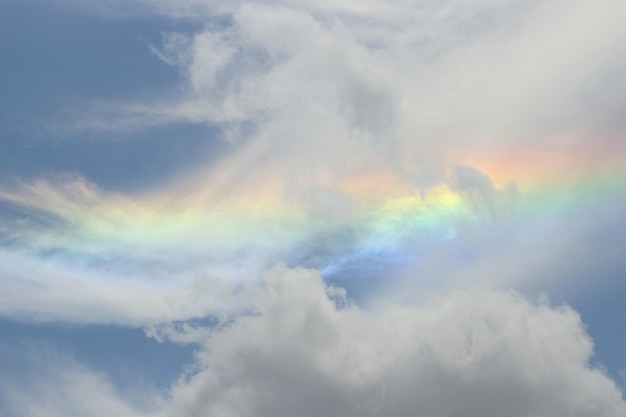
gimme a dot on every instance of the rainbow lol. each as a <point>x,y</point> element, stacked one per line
<point>197,223</point>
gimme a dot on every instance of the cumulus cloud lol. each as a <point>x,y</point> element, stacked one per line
<point>305,350</point>
<point>327,106</point>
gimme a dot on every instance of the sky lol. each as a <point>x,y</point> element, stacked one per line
<point>305,208</point>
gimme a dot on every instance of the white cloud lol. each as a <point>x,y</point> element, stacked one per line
<point>323,91</point>
<point>47,290</point>
<point>444,69</point>
<point>331,90</point>
<point>475,353</point>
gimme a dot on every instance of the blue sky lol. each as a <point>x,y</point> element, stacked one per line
<point>291,208</point>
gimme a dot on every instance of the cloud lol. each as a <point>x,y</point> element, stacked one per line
<point>472,353</point>
<point>482,196</point>
<point>303,348</point>
<point>407,71</point>
<point>44,291</point>
<point>312,98</point>
<point>369,139</point>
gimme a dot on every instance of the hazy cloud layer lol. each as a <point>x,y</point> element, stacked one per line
<point>433,156</point>
<point>395,69</point>
<point>312,96</point>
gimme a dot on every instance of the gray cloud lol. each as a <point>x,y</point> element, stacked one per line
<point>304,349</point>
<point>481,196</point>
<point>311,93</point>
<point>475,353</point>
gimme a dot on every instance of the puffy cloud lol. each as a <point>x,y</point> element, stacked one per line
<point>312,94</point>
<point>305,350</point>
